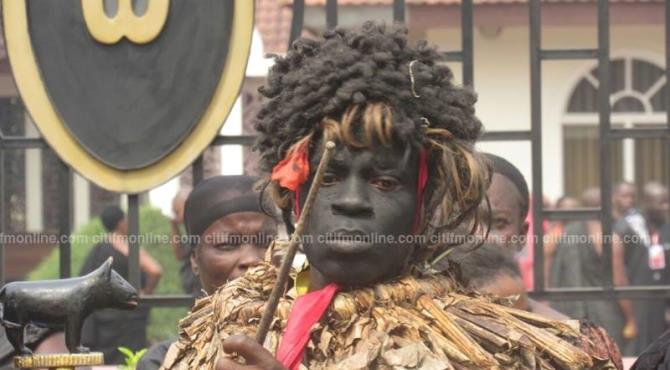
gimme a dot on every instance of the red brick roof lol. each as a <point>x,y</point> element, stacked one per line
<point>451,2</point>
<point>273,21</point>
<point>273,17</point>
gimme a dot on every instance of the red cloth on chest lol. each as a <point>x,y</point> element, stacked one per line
<point>307,310</point>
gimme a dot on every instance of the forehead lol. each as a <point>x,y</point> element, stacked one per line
<point>503,195</point>
<point>656,196</point>
<point>626,189</point>
<point>242,222</point>
<point>397,155</point>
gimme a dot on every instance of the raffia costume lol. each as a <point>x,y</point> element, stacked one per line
<point>423,319</point>
<point>415,322</point>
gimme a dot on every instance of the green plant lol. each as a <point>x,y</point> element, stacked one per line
<point>132,358</point>
<point>163,321</point>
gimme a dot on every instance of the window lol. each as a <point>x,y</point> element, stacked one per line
<point>638,99</point>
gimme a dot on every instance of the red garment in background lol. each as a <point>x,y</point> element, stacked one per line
<point>525,257</point>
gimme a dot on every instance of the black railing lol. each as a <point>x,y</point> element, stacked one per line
<point>466,57</point>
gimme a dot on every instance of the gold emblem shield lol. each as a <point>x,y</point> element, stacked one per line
<point>45,115</point>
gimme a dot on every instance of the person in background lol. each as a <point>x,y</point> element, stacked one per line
<point>510,203</point>
<point>578,263</point>
<point>107,330</point>
<point>556,232</point>
<point>181,247</point>
<point>232,232</point>
<point>492,269</point>
<point>509,199</point>
<point>624,196</point>
<point>567,202</point>
<point>647,240</point>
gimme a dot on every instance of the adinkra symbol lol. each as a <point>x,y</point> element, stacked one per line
<point>138,29</point>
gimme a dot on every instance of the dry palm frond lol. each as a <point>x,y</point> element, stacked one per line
<point>411,323</point>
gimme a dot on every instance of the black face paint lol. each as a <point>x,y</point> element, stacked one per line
<point>364,212</point>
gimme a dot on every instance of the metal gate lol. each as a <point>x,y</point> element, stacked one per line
<point>464,56</point>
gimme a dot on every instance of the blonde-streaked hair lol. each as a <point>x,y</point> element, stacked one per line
<point>458,176</point>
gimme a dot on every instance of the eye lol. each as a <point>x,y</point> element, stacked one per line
<point>386,183</point>
<point>500,222</point>
<point>329,179</point>
<point>226,247</point>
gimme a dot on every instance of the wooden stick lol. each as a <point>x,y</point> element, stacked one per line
<point>287,262</point>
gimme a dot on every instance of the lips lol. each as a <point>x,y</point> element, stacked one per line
<point>348,241</point>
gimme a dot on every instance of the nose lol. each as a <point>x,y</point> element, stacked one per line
<point>354,199</point>
<point>251,256</point>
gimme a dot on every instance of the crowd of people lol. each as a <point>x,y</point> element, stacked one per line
<point>639,258</point>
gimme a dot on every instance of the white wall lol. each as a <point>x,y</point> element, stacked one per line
<point>502,80</point>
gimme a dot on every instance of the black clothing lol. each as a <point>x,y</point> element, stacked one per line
<point>649,313</point>
<point>576,265</point>
<point>107,330</point>
<point>154,356</point>
<point>656,356</point>
<point>217,197</point>
<point>33,337</point>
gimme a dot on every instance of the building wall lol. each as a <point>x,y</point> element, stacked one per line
<point>502,81</point>
<point>502,77</point>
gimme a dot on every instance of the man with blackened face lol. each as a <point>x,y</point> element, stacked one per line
<point>403,172</point>
<point>365,210</point>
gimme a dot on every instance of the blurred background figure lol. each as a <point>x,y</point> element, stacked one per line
<point>180,245</point>
<point>578,263</point>
<point>556,231</point>
<point>647,239</point>
<point>107,330</point>
<point>567,202</point>
<point>624,198</point>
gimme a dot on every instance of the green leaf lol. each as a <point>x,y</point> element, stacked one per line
<point>140,353</point>
<point>132,358</point>
<point>127,352</point>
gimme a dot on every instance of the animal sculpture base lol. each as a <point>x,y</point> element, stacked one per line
<point>58,361</point>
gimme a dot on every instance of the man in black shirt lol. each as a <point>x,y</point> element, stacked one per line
<point>107,330</point>
<point>647,239</point>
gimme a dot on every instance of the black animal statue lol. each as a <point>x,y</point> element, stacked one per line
<point>62,303</point>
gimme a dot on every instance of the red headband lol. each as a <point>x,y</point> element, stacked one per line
<point>421,186</point>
